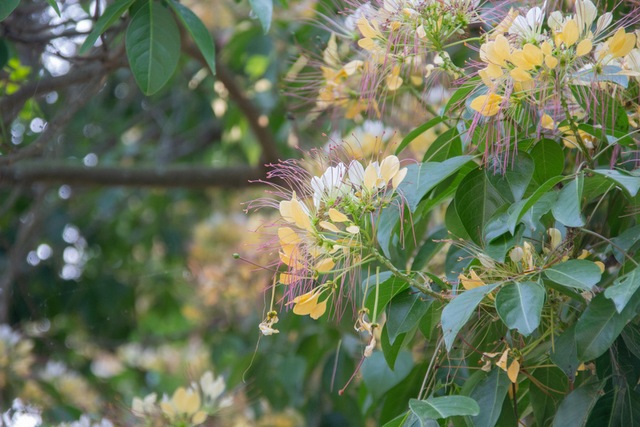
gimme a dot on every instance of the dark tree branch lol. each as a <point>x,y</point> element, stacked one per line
<point>176,176</point>
<point>262,133</point>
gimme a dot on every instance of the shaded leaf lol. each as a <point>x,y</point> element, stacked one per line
<point>519,176</point>
<point>6,7</point>
<point>548,158</point>
<point>153,47</point>
<point>111,14</point>
<point>546,394</point>
<point>444,407</point>
<point>198,32</point>
<point>404,312</point>
<point>568,209</point>
<point>575,408</point>
<point>391,349</point>
<point>446,146</point>
<point>519,209</point>
<point>520,306</point>
<point>490,394</point>
<point>377,375</point>
<point>456,314</point>
<point>565,354</point>
<point>263,10</point>
<point>417,132</point>
<point>389,286</point>
<point>629,182</point>
<point>623,289</point>
<point>576,273</point>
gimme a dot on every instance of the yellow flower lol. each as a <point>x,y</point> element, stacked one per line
<point>393,80</point>
<point>513,369</point>
<point>308,304</point>
<point>487,105</point>
<point>473,282</point>
<point>570,33</point>
<point>295,212</point>
<point>546,122</point>
<point>619,45</point>
<point>184,403</point>
<point>584,47</point>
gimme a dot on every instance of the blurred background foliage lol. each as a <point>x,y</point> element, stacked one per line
<point>119,281</point>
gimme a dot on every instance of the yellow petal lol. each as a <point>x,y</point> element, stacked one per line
<point>584,47</point>
<point>470,283</point>
<point>555,236</point>
<point>533,54</point>
<point>600,265</point>
<point>306,303</point>
<point>353,229</point>
<point>399,177</point>
<point>546,122</point>
<point>546,48</point>
<point>198,418</point>
<point>494,71</point>
<point>513,371</point>
<point>368,44</point>
<point>168,409</point>
<point>517,58</point>
<point>337,216</point>
<point>520,75</point>
<point>318,310</point>
<point>389,167</point>
<point>328,226</point>
<point>551,61</point>
<point>288,236</point>
<point>285,210</point>
<point>502,48</point>
<point>300,216</point>
<point>487,105</point>
<point>287,279</point>
<point>366,29</point>
<point>325,265</point>
<point>570,33</point>
<point>502,363</point>
<point>370,177</point>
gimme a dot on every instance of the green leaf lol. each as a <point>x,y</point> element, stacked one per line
<point>489,394</point>
<point>548,159</point>
<point>575,408</point>
<point>389,286</point>
<point>444,407</point>
<point>476,200</point>
<point>404,312</point>
<point>568,208</point>
<point>263,10</point>
<point>599,326</point>
<point>6,7</point>
<point>55,6</point>
<point>545,398</point>
<point>417,132</point>
<point>519,176</point>
<point>623,289</point>
<point>575,273</point>
<point>377,375</point>
<point>429,248</point>
<point>456,314</point>
<point>111,14</point>
<point>625,241</point>
<point>446,146</point>
<point>461,94</point>
<point>629,182</point>
<point>198,32</point>
<point>390,349</point>
<point>424,177</point>
<point>519,305</point>
<point>519,209</point>
<point>565,354</point>
<point>153,47</point>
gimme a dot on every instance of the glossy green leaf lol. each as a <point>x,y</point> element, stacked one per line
<point>388,287</point>
<point>429,248</point>
<point>623,289</point>
<point>625,180</point>
<point>564,354</point>
<point>446,146</point>
<point>490,394</point>
<point>417,132</point>
<point>519,305</point>
<point>575,408</point>
<point>458,311</point>
<point>390,349</point>
<point>6,7</point>
<point>476,201</point>
<point>599,326</point>
<point>424,177</point>
<point>404,312</point>
<point>568,209</point>
<point>111,14</point>
<point>444,407</point>
<point>576,273</point>
<point>519,174</point>
<point>546,393</point>
<point>625,242</point>
<point>548,159</point>
<point>153,47</point>
<point>263,9</point>
<point>519,209</point>
<point>198,32</point>
<point>377,375</point>
<point>461,94</point>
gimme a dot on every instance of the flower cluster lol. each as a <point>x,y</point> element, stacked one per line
<point>191,405</point>
<point>326,228</point>
<point>15,356</point>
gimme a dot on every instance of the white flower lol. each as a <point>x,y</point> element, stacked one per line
<point>586,13</point>
<point>146,406</point>
<point>529,27</point>
<point>330,185</point>
<point>211,388</point>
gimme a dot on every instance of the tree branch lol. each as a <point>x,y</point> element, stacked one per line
<point>28,172</point>
<point>262,133</point>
